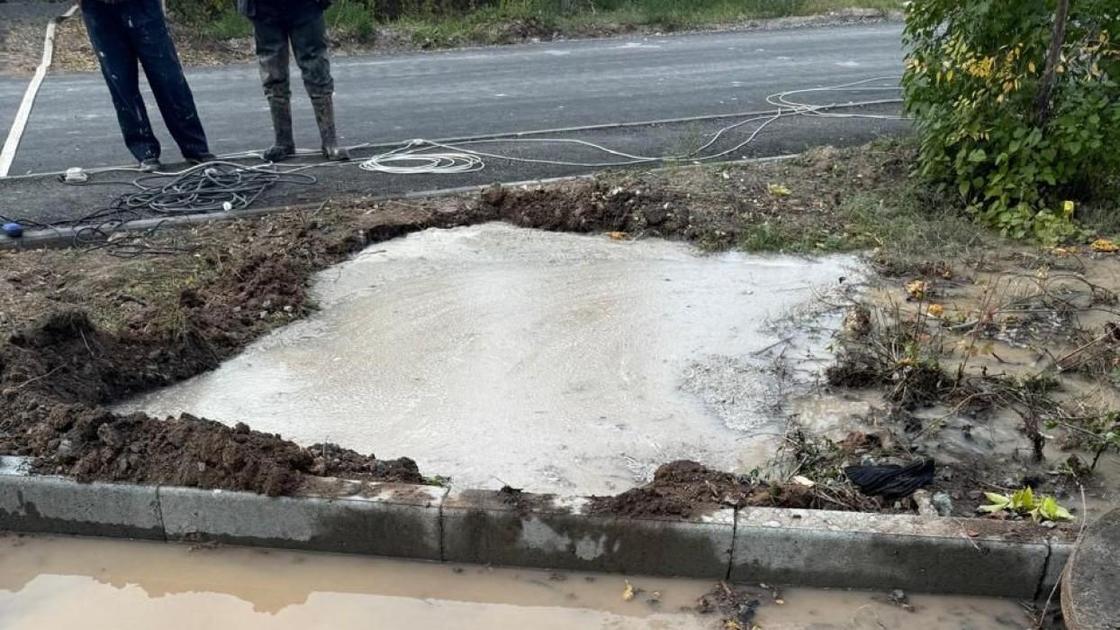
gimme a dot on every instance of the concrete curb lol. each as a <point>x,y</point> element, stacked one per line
<point>802,547</point>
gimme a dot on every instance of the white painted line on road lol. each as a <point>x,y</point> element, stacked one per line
<point>15,134</point>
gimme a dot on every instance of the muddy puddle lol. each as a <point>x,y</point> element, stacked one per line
<point>551,362</point>
<point>49,583</point>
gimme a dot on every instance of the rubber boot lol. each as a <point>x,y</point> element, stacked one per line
<point>324,115</point>
<point>285,146</point>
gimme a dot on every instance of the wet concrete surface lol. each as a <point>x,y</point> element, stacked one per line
<point>49,583</point>
<point>549,362</point>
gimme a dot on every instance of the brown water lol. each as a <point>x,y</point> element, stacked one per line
<point>550,362</point>
<point>82,584</point>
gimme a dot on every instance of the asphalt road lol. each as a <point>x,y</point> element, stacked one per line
<point>391,98</point>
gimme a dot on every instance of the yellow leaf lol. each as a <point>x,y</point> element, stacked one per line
<point>628,592</point>
<point>1067,208</point>
<point>1105,246</point>
<point>779,190</point>
<point>617,236</point>
<point>917,289</point>
<point>936,310</point>
<point>1031,66</point>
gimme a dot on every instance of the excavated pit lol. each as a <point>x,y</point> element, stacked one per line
<point>552,362</point>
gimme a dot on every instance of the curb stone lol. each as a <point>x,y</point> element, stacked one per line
<point>50,505</point>
<point>482,527</point>
<point>772,545</point>
<point>393,520</point>
<point>874,551</point>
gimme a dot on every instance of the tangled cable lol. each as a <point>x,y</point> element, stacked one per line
<point>211,187</point>
<point>203,189</point>
<point>407,161</point>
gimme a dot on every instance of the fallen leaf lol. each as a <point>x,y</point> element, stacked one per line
<point>917,289</point>
<point>779,190</point>
<point>936,310</point>
<point>628,592</point>
<point>617,236</point>
<point>804,481</point>
<point>1105,246</point>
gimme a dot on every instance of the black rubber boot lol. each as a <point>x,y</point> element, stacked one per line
<point>324,115</point>
<point>285,146</point>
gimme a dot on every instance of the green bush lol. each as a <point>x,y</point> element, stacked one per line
<point>1020,154</point>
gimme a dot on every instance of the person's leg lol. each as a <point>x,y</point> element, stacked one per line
<point>119,66</point>
<point>273,56</point>
<point>147,29</point>
<point>309,40</point>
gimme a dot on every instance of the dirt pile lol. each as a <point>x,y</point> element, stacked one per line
<point>685,488</point>
<point>90,347</point>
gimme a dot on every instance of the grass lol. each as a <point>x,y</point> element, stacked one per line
<point>856,200</point>
<point>502,21</point>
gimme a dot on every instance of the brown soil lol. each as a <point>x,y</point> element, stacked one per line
<point>683,489</point>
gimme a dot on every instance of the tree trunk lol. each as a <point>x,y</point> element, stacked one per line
<point>1053,58</point>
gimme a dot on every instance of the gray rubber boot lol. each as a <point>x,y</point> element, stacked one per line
<point>285,146</point>
<point>324,115</point>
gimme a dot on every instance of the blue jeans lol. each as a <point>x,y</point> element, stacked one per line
<point>129,35</point>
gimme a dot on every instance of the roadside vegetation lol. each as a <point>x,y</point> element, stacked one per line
<point>441,23</point>
<point>1018,108</point>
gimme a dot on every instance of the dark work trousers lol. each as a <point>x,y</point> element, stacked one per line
<point>303,32</point>
<point>131,34</point>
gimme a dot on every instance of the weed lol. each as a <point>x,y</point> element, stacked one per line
<point>1024,503</point>
<point>437,24</point>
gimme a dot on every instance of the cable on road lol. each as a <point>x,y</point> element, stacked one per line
<point>436,157</point>
<point>226,186</point>
<point>219,186</point>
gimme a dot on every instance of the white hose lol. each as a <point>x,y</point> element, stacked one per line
<point>429,157</point>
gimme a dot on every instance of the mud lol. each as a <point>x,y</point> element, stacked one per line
<point>684,489</point>
<point>1004,370</point>
<point>501,356</point>
<point>83,328</point>
<point>48,583</point>
<point>80,329</point>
